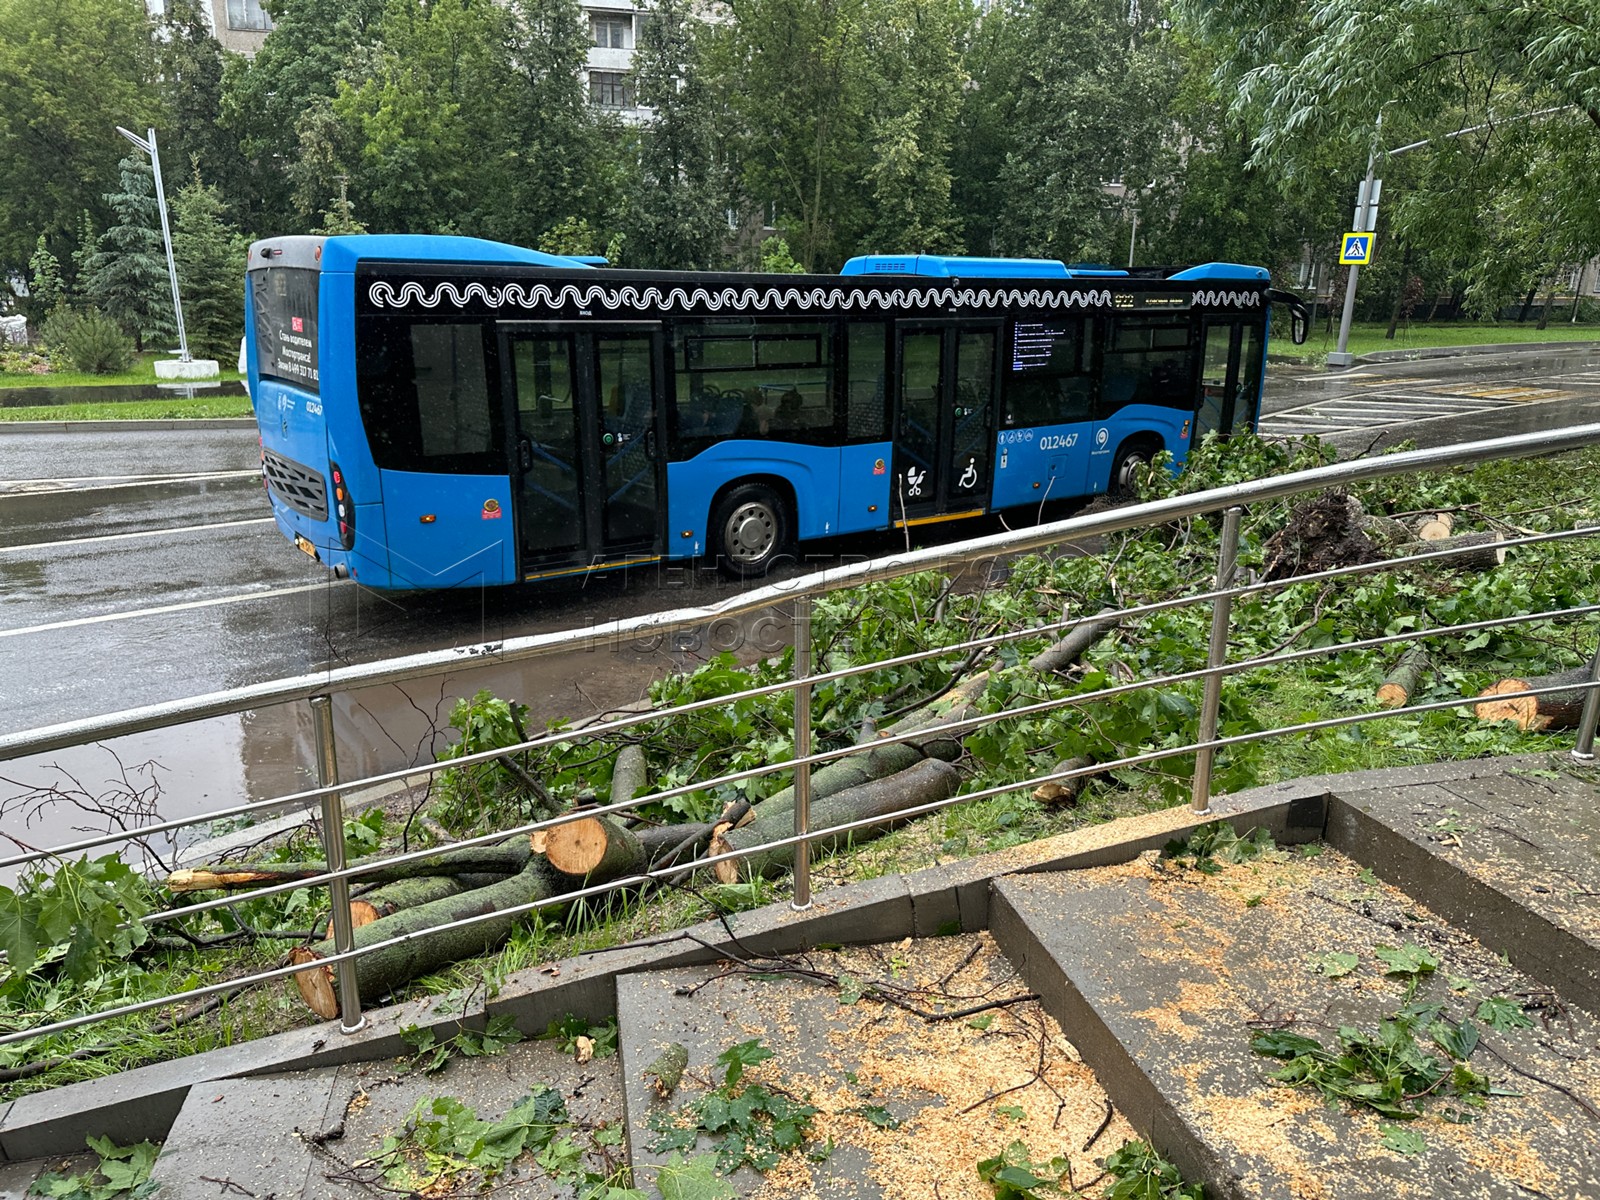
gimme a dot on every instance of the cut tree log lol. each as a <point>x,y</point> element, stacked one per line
<point>851,771</point>
<point>1477,551</point>
<point>1555,710</point>
<point>594,849</point>
<point>498,858</point>
<point>657,840</point>
<point>1437,527</point>
<point>409,893</point>
<point>383,971</point>
<point>1400,684</point>
<point>882,801</point>
<point>666,1069</point>
<point>1070,648</point>
<point>1065,791</point>
<point>628,774</point>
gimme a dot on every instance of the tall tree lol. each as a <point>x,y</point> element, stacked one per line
<point>1093,81</point>
<point>430,118</point>
<point>799,82</point>
<point>69,74</point>
<point>128,273</point>
<point>188,65</point>
<point>1203,201</point>
<point>675,220</point>
<point>564,159</point>
<point>210,257</point>
<point>314,44</point>
<point>917,45</point>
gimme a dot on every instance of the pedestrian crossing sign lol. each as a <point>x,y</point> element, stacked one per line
<point>1356,250</point>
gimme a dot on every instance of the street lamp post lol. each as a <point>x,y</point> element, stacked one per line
<point>148,145</point>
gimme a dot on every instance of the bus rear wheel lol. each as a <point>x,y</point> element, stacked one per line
<point>1132,460</point>
<point>749,529</point>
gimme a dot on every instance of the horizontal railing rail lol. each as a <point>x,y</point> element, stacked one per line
<point>799,594</point>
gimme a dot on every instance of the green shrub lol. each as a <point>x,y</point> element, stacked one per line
<point>96,346</point>
<point>54,330</point>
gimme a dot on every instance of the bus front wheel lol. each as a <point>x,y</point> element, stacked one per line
<point>1133,460</point>
<point>749,529</point>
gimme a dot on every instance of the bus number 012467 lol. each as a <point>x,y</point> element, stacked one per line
<point>1058,441</point>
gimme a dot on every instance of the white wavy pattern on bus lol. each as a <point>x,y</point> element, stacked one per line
<point>748,299</point>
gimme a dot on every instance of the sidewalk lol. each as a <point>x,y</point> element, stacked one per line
<point>1125,991</point>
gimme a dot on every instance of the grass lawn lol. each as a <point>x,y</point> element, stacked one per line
<point>135,410</point>
<point>1366,338</point>
<point>143,371</point>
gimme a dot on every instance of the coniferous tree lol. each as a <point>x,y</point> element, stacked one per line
<point>82,255</point>
<point>128,273</point>
<point>210,257</point>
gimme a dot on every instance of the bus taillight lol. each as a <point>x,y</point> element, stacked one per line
<point>344,509</point>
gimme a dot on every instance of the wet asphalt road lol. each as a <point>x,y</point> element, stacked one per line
<point>140,566</point>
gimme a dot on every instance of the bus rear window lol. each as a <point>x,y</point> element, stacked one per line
<point>285,303</point>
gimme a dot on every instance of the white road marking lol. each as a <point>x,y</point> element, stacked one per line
<point>149,477</point>
<point>159,610</point>
<point>142,533</point>
<point>106,483</point>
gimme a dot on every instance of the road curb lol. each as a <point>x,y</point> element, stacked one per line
<point>1421,352</point>
<point>173,423</point>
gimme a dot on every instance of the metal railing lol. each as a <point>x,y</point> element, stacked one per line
<point>800,593</point>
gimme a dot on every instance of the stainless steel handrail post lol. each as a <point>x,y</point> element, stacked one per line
<point>1583,751</point>
<point>1216,655</point>
<point>350,1018</point>
<point>802,750</point>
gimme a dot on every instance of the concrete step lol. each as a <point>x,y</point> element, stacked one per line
<point>1166,973</point>
<point>317,1134</point>
<point>1513,858</point>
<point>944,1094</point>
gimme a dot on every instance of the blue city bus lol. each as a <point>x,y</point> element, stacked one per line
<point>448,412</point>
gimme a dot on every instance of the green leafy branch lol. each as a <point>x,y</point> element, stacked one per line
<point>430,1054</point>
<point>748,1124</point>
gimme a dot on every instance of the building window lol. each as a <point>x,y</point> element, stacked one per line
<point>612,33</point>
<point>610,89</point>
<point>248,14</point>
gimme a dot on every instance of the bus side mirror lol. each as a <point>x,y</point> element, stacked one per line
<point>1299,316</point>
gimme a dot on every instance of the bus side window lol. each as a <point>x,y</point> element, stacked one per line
<point>750,379</point>
<point>1048,379</point>
<point>866,393</point>
<point>424,396</point>
<point>1146,362</point>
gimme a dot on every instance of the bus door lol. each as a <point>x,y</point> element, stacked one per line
<point>944,420</point>
<point>1230,376</point>
<point>587,443</point>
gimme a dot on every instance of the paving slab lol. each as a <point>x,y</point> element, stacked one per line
<point>17,1177</point>
<point>1512,856</point>
<point>1167,973</point>
<point>320,1134</point>
<point>907,1106</point>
